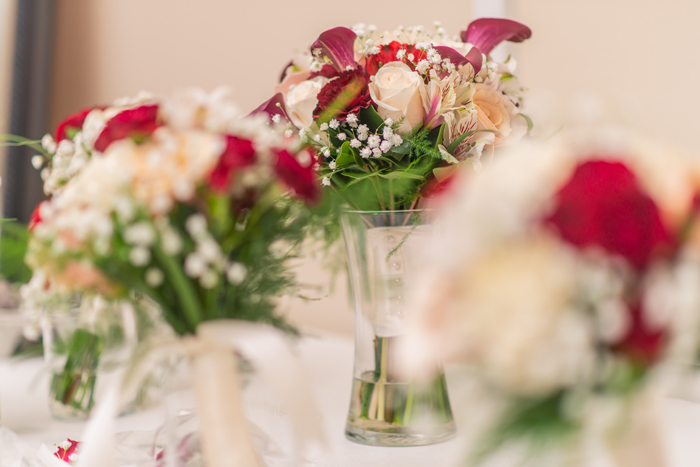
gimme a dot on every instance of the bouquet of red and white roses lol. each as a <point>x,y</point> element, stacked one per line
<point>567,278</point>
<point>391,113</point>
<point>181,200</point>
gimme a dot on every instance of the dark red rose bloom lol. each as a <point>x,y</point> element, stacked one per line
<point>139,122</point>
<point>602,204</point>
<point>64,454</point>
<point>641,344</point>
<point>238,153</point>
<point>299,178</point>
<point>387,54</point>
<point>36,217</point>
<point>327,71</point>
<point>72,123</point>
<point>350,89</point>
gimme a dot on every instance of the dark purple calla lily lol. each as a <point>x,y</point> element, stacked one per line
<point>273,106</point>
<point>338,45</point>
<point>487,33</point>
<point>459,60</point>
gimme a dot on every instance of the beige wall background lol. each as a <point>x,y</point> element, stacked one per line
<point>632,62</point>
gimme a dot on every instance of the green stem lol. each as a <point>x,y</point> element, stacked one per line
<point>182,286</point>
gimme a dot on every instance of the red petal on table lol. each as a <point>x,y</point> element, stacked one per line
<point>487,33</point>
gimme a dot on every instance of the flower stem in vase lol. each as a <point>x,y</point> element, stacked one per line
<point>72,390</point>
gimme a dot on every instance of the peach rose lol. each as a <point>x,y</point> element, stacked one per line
<point>496,113</point>
<point>396,89</point>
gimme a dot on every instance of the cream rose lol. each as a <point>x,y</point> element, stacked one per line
<point>301,101</point>
<point>396,89</point>
<point>496,113</point>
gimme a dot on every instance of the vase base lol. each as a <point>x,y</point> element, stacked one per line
<point>67,413</point>
<point>396,439</point>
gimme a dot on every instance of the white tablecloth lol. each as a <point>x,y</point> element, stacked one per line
<point>23,409</point>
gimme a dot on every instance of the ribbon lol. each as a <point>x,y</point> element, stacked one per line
<point>224,429</point>
<point>639,443</point>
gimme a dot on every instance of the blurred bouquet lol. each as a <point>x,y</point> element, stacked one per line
<point>182,201</point>
<point>177,203</point>
<point>391,113</point>
<point>566,278</point>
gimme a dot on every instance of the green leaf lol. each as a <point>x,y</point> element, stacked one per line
<point>435,134</point>
<point>451,148</point>
<point>371,118</point>
<point>396,175</point>
<point>346,155</point>
<point>530,125</point>
<point>441,135</point>
<point>403,149</point>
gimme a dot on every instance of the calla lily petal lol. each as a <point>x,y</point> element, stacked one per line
<point>338,45</point>
<point>273,106</point>
<point>473,57</point>
<point>487,33</point>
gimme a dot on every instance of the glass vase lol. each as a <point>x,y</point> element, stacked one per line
<point>89,339</point>
<point>386,408</point>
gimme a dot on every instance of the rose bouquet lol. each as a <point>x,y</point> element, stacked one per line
<point>567,278</point>
<point>390,116</point>
<point>179,202</point>
<point>390,113</point>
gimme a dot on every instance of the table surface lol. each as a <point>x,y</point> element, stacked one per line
<point>24,410</point>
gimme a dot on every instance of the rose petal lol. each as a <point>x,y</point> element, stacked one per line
<point>487,33</point>
<point>338,45</point>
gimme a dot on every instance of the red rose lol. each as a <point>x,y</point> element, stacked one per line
<point>301,179</point>
<point>348,93</point>
<point>603,205</point>
<point>238,153</point>
<point>138,123</point>
<point>66,453</point>
<point>36,217</point>
<point>72,124</point>
<point>641,344</point>
<point>387,54</point>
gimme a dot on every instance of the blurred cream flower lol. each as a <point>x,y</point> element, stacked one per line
<point>546,344</point>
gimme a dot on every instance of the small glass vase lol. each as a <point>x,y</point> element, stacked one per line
<point>80,344</point>
<point>386,409</point>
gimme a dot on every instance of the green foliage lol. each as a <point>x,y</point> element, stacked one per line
<point>389,182</point>
<point>262,237</point>
<point>540,422</point>
<point>13,246</point>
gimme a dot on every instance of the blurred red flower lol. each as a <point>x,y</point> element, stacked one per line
<point>301,179</point>
<point>602,204</point>
<point>238,153</point>
<point>138,123</point>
